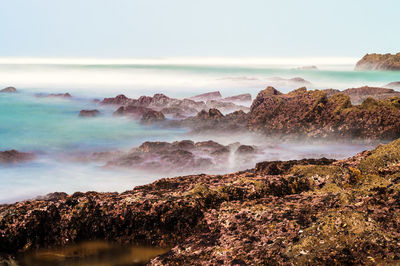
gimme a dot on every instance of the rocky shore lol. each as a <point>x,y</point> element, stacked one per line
<point>296,212</point>
<point>379,62</point>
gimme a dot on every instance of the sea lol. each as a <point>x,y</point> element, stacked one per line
<point>51,128</point>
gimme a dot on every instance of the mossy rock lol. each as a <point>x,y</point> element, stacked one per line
<point>341,237</point>
<point>381,157</point>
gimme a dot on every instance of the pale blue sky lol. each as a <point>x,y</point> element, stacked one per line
<point>153,28</point>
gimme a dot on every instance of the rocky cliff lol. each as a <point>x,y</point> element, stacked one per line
<point>379,62</point>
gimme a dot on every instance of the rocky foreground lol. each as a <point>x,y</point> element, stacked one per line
<point>295,212</point>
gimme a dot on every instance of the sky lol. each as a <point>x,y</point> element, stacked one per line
<point>231,28</point>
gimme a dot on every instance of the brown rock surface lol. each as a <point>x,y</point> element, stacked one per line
<point>9,90</point>
<point>309,212</point>
<point>312,114</point>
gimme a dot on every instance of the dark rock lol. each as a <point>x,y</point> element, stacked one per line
<point>312,114</point>
<point>132,110</point>
<point>151,116</point>
<point>9,90</point>
<point>245,149</point>
<point>379,62</point>
<point>89,113</point>
<point>13,156</point>
<point>118,100</point>
<point>303,212</point>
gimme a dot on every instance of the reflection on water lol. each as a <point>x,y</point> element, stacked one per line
<point>91,253</point>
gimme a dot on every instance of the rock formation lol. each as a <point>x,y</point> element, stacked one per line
<point>54,95</point>
<point>289,213</point>
<point>89,113</point>
<point>13,156</point>
<point>312,114</point>
<point>9,90</point>
<point>179,156</point>
<point>379,62</point>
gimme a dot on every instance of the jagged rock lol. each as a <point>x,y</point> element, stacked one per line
<point>118,100</point>
<point>89,113</point>
<point>298,212</point>
<point>9,90</point>
<point>152,116</point>
<point>312,114</point>
<point>132,110</point>
<point>245,150</point>
<point>379,62</point>
<point>13,156</point>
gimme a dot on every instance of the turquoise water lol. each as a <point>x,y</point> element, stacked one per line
<point>51,128</point>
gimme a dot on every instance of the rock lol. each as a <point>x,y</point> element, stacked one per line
<point>118,100</point>
<point>9,90</point>
<point>54,95</point>
<point>215,95</point>
<point>246,97</point>
<point>225,107</point>
<point>393,85</point>
<point>89,113</point>
<point>13,156</point>
<point>132,111</point>
<point>306,68</point>
<point>304,212</point>
<point>289,83</point>
<point>312,114</point>
<point>379,62</point>
<point>151,116</point>
<point>245,150</point>
<point>358,95</point>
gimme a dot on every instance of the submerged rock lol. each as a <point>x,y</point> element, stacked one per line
<point>14,156</point>
<point>89,113</point>
<point>302,212</point>
<point>379,62</point>
<point>9,90</point>
<point>54,95</point>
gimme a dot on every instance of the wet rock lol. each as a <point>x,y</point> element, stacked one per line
<point>271,215</point>
<point>132,111</point>
<point>312,114</point>
<point>379,62</point>
<point>9,90</point>
<point>118,100</point>
<point>13,156</point>
<point>245,149</point>
<point>89,113</point>
<point>151,116</point>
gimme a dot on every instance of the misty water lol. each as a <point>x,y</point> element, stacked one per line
<point>51,128</point>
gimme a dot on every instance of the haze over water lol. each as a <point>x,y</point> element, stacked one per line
<point>51,127</point>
